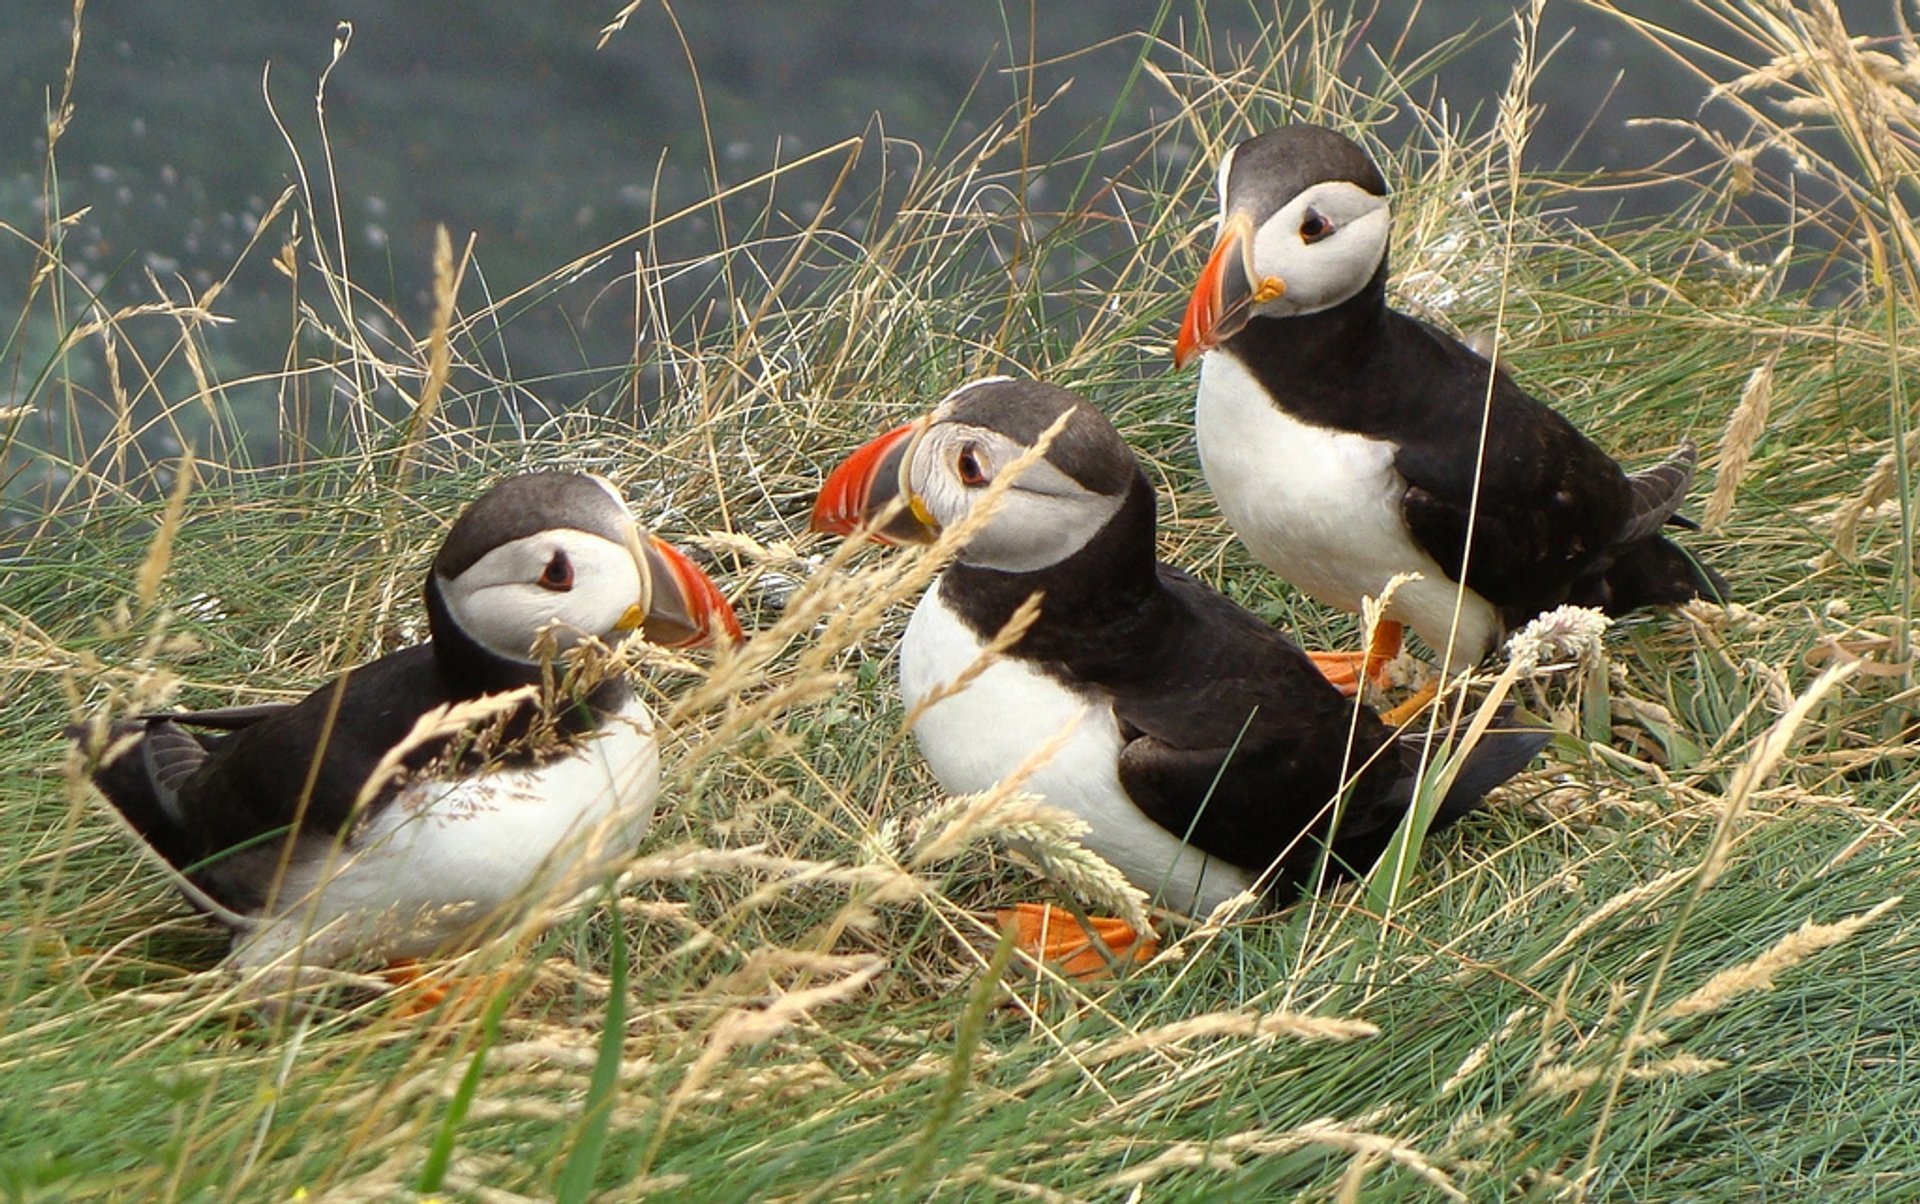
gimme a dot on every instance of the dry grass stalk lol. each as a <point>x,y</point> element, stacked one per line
<point>1010,633</point>
<point>1748,778</point>
<point>1565,635</point>
<point>1572,1080</point>
<point>1768,752</point>
<point>1014,1188</point>
<point>436,723</point>
<point>949,828</point>
<point>685,864</point>
<point>1744,428</point>
<point>1046,834</point>
<point>1354,1178</point>
<point>743,1026</point>
<point>1759,974</point>
<point>1177,1157</point>
<point>1471,1064</point>
<point>1632,897</point>
<point>1254,1026</point>
<point>160,552</point>
<point>1882,482</point>
<point>446,291</point>
<point>1333,1133</point>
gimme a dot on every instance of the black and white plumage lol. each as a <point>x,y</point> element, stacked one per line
<point>273,814</point>
<point>1205,750</point>
<point>1342,437</point>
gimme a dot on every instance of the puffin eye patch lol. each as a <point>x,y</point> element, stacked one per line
<point>1315,226</point>
<point>558,575</point>
<point>971,466</point>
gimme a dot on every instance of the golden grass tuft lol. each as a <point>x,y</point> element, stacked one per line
<point>1744,428</point>
<point>1759,974</point>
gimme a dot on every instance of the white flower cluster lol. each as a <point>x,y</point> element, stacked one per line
<point>1563,635</point>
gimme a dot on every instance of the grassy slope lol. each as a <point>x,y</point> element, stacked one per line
<point>804,1015</point>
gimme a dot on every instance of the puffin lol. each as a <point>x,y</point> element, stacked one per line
<point>1205,752</point>
<point>355,827</point>
<point>1347,442</point>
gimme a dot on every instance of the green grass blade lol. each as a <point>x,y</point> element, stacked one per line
<point>440,1154</point>
<point>575,1184</point>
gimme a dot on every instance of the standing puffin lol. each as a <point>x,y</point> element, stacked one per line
<point>310,831</point>
<point>1343,438</point>
<point>1206,752</point>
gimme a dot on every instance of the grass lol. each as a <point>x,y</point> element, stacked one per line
<point>1678,960</point>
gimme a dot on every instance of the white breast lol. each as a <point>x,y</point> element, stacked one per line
<point>1321,508</point>
<point>977,738</point>
<point>446,855</point>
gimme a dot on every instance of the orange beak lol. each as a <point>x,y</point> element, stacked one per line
<point>873,487</point>
<point>1224,298</point>
<point>684,604</point>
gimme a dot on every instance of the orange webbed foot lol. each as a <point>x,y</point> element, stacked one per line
<point>1346,669</point>
<point>1087,951</point>
<point>1343,669</point>
<point>416,992</point>
<point>1399,716</point>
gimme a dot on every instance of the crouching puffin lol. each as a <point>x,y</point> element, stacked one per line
<point>1343,438</point>
<point>1206,753</point>
<point>326,831</point>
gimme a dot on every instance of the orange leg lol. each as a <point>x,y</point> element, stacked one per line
<point>1057,938</point>
<point>417,992</point>
<point>1344,669</point>
<point>1399,715</point>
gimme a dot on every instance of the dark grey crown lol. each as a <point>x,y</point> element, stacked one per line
<point>527,505</point>
<point>1272,168</point>
<point>1088,449</point>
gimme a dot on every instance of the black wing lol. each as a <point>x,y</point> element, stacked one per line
<point>309,762</point>
<point>1552,504</point>
<point>1242,747</point>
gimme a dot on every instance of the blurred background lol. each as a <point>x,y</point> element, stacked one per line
<point>511,122</point>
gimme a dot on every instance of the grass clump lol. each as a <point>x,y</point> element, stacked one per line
<point>1678,960</point>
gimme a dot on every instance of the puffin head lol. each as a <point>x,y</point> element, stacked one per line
<point>560,550</point>
<point>1303,227</point>
<point>919,479</point>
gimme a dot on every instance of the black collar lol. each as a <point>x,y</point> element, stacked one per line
<point>470,669</point>
<point>1097,605</point>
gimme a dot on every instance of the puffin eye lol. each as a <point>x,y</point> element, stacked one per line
<point>973,473</point>
<point>558,575</point>
<point>1314,226</point>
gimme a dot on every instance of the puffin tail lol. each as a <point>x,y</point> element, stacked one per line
<point>138,767</point>
<point>1647,569</point>
<point>1504,749</point>
<point>1507,747</point>
<point>1654,571</point>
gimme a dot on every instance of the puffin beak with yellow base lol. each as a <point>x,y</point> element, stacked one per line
<point>873,486</point>
<point>1225,295</point>
<point>690,608</point>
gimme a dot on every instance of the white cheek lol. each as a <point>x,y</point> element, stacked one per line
<point>1319,275</point>
<point>505,618</point>
<point>498,604</point>
<point>603,591</point>
<point>1030,531</point>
